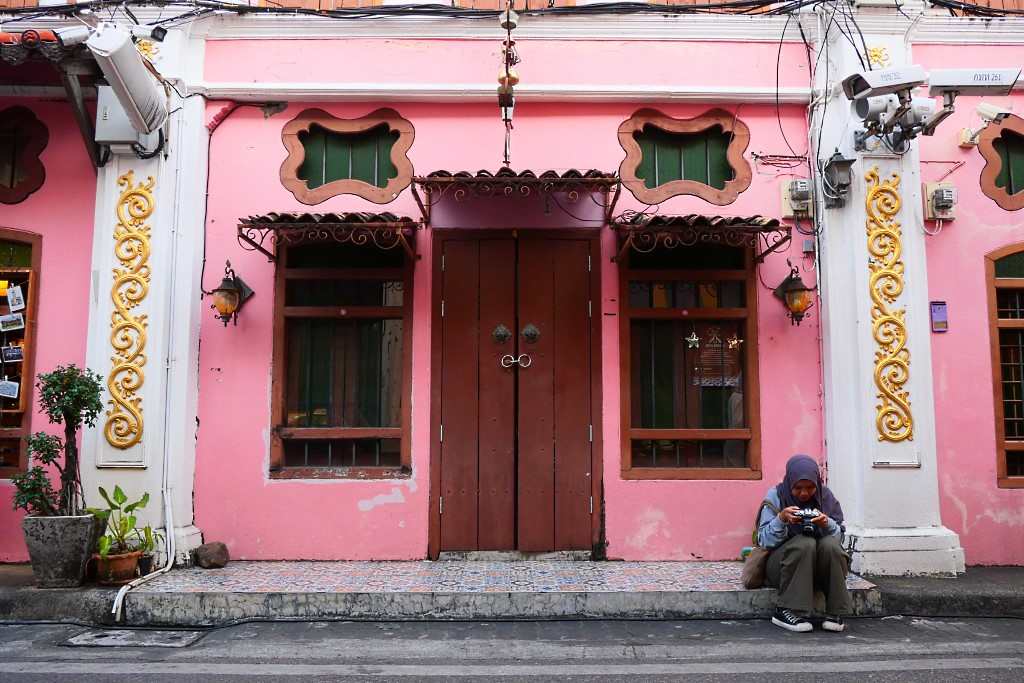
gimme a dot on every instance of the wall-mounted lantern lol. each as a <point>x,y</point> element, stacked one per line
<point>230,296</point>
<point>838,176</point>
<point>795,295</point>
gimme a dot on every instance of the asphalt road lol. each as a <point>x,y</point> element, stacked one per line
<point>889,649</point>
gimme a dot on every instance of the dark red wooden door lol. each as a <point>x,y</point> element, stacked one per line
<point>516,427</point>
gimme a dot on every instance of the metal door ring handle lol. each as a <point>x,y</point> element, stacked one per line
<point>508,361</point>
<point>524,360</point>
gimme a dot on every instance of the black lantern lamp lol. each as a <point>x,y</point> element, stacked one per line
<point>230,296</point>
<point>838,177</point>
<point>795,295</point>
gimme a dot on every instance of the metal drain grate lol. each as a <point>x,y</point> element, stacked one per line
<point>133,638</point>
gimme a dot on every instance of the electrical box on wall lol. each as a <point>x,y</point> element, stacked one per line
<point>796,198</point>
<point>939,201</point>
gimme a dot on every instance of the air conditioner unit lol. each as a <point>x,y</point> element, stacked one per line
<point>138,91</point>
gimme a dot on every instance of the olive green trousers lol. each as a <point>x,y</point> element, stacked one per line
<point>804,564</point>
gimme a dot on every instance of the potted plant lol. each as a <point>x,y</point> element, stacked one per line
<point>148,541</point>
<point>59,533</point>
<point>117,561</point>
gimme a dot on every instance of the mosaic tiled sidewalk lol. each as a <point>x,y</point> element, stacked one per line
<point>458,577</point>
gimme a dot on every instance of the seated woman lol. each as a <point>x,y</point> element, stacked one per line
<point>806,553</point>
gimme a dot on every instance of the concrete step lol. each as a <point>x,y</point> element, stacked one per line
<point>457,590</point>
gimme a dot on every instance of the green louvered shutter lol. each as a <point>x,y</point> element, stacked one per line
<point>331,156</point>
<point>701,157</point>
<point>1011,153</point>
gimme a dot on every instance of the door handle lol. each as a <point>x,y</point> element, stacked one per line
<point>522,360</point>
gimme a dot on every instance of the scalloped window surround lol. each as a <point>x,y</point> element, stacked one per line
<point>1002,146</point>
<point>328,156</point>
<point>23,138</point>
<point>668,157</point>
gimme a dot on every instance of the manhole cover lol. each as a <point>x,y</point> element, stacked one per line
<point>134,638</point>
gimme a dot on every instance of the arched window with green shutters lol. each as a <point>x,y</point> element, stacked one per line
<point>331,156</point>
<point>1010,148</point>
<point>700,157</point>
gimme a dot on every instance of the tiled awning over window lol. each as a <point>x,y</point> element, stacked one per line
<point>509,183</point>
<point>643,233</point>
<point>379,230</point>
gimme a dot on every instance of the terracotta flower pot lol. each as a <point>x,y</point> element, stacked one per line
<point>114,570</point>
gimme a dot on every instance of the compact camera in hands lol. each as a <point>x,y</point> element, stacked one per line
<point>805,516</point>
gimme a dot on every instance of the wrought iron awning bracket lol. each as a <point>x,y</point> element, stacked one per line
<point>436,187</point>
<point>639,238</point>
<point>424,208</point>
<point>395,235</point>
<point>770,248</point>
<point>610,208</point>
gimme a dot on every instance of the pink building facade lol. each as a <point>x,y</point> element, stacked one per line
<point>593,361</point>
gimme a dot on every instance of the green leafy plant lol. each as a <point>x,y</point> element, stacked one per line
<point>149,539</point>
<point>121,531</point>
<point>70,396</point>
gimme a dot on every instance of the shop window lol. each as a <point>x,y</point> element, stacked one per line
<point>1002,146</point>
<point>1005,270</point>
<point>689,363</point>
<point>23,137</point>
<point>328,156</point>
<point>667,157</point>
<point>341,368</point>
<point>19,268</point>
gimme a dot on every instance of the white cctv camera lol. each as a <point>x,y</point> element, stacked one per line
<point>136,88</point>
<point>992,112</point>
<point>899,80</point>
<point>972,81</point>
<point>73,35</point>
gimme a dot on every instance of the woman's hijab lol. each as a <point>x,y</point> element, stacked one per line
<point>802,467</point>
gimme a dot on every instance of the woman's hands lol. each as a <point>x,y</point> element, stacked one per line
<point>789,516</point>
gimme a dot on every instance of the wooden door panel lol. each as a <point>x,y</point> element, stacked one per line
<point>571,339</point>
<point>459,387</point>
<point>535,467</point>
<point>497,483</point>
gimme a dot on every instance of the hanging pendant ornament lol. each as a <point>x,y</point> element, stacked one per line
<point>734,342</point>
<point>508,78</point>
<point>693,341</point>
<point>714,340</point>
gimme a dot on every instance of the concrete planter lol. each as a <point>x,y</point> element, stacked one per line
<point>59,548</point>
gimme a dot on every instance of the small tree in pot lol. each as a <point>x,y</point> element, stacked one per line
<point>58,532</point>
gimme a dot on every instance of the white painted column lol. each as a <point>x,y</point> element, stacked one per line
<point>162,462</point>
<point>885,478</point>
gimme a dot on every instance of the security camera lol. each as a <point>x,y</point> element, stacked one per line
<point>872,109</point>
<point>992,112</point>
<point>972,81</point>
<point>136,88</point>
<point>899,80</point>
<point>73,35</point>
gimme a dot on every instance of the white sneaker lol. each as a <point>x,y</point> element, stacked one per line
<point>790,621</point>
<point>834,624</point>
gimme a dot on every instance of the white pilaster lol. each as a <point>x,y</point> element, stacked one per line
<point>888,486</point>
<point>162,463</point>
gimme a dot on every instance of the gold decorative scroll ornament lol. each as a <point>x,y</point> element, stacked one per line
<point>127,330</point>
<point>892,358</point>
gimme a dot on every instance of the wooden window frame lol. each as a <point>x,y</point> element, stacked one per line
<point>751,393</point>
<point>994,164</point>
<point>280,431</point>
<point>731,126</point>
<point>23,123</point>
<point>35,241</point>
<point>297,154</point>
<point>992,284</point>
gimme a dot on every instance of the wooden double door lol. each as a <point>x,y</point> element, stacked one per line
<point>515,424</point>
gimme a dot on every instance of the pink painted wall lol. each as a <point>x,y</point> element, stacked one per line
<point>62,212</point>
<point>235,500</point>
<point>989,520</point>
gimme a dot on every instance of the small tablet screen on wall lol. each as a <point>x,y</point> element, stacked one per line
<point>940,317</point>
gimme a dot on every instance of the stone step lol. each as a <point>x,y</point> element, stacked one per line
<point>458,590</point>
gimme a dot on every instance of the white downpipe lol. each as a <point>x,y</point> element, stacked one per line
<point>165,487</point>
